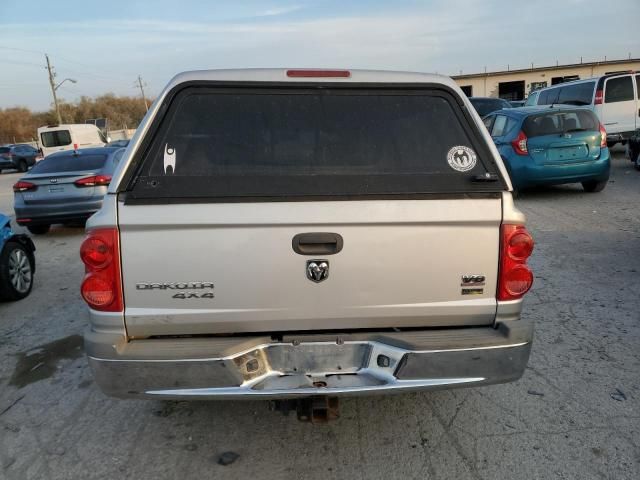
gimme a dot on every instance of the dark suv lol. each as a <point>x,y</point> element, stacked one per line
<point>486,105</point>
<point>20,157</point>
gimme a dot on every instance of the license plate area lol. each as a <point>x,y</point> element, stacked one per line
<point>313,359</point>
<point>567,153</point>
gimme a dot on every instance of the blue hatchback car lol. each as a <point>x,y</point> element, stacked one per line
<point>17,262</point>
<point>551,145</point>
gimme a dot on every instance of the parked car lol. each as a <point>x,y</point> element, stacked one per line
<point>516,103</point>
<point>58,138</point>
<point>17,263</point>
<point>633,149</point>
<point>549,146</point>
<point>118,143</point>
<point>296,233</point>
<point>486,105</point>
<point>65,187</point>
<point>18,156</point>
<point>614,98</point>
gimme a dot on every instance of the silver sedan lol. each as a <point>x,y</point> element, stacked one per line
<point>65,187</point>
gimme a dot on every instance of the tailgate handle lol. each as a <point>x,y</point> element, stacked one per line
<point>317,243</point>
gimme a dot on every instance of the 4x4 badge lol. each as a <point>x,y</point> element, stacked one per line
<point>317,270</point>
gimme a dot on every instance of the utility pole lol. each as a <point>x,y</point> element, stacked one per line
<point>144,99</point>
<point>54,87</point>
<point>52,77</point>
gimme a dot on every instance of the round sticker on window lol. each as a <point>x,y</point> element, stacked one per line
<point>461,159</point>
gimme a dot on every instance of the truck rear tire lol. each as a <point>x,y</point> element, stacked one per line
<point>22,166</point>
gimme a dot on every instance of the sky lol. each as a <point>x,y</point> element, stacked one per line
<point>104,46</point>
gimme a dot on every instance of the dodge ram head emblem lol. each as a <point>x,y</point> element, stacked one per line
<point>317,270</point>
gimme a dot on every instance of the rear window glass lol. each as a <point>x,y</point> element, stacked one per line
<point>548,97</point>
<point>618,90</point>
<point>57,138</point>
<point>69,163</point>
<point>4,149</point>
<point>556,123</point>
<point>307,142</point>
<point>502,125</point>
<point>579,94</point>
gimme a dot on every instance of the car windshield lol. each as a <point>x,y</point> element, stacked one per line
<point>70,163</point>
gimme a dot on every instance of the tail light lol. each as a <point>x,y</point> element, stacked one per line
<point>93,181</point>
<point>515,278</point>
<point>102,285</point>
<point>599,98</point>
<point>603,135</point>
<point>8,155</point>
<point>23,186</point>
<point>318,73</point>
<point>520,144</point>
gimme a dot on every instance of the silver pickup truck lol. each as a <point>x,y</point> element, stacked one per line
<point>306,233</point>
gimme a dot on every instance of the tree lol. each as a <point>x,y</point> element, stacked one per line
<point>19,124</point>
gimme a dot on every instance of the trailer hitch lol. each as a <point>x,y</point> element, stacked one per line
<point>319,409</point>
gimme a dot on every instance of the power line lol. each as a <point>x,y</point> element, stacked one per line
<point>67,60</point>
<point>21,50</point>
<point>17,62</point>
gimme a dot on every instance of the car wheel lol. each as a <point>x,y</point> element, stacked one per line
<point>16,272</point>
<point>22,166</point>
<point>39,229</point>
<point>594,185</point>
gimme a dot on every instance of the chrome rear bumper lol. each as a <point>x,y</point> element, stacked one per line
<point>307,365</point>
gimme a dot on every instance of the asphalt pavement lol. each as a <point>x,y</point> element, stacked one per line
<point>575,414</point>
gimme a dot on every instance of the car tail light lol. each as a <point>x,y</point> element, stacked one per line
<point>8,155</point>
<point>603,137</point>
<point>102,285</point>
<point>515,278</point>
<point>23,186</point>
<point>93,181</point>
<point>520,144</point>
<point>598,100</point>
<point>318,73</point>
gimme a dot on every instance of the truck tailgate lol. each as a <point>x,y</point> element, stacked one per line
<point>230,267</point>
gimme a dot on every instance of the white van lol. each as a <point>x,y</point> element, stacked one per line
<point>613,98</point>
<point>55,138</point>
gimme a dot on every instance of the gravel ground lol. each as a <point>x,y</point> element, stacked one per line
<point>574,414</point>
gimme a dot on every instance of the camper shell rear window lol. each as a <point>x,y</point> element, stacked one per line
<point>223,143</point>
